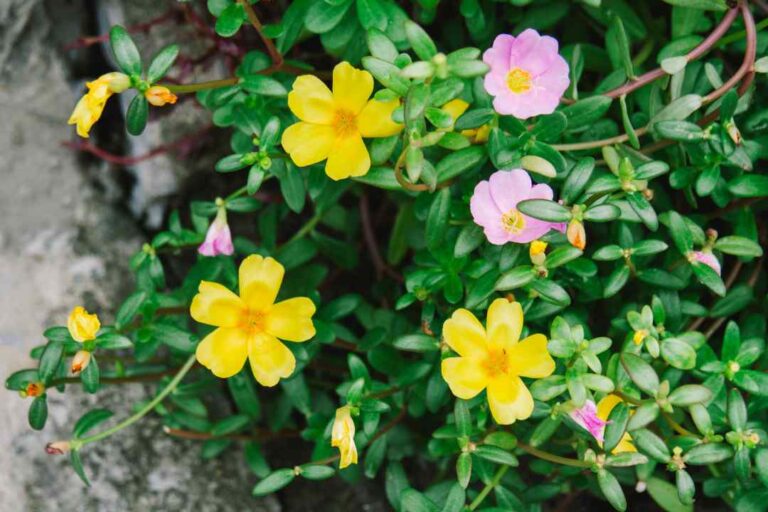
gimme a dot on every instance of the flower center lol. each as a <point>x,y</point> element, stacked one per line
<point>496,363</point>
<point>344,123</point>
<point>253,321</point>
<point>513,221</point>
<point>518,81</point>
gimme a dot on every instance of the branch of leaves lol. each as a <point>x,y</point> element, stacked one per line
<point>736,357</point>
<point>128,60</point>
<point>599,210</point>
<point>678,350</point>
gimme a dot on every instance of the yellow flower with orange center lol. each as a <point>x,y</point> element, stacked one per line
<point>494,359</point>
<point>333,124</point>
<point>82,325</point>
<point>90,107</point>
<point>251,325</point>
<point>455,108</point>
<point>604,408</point>
<point>343,437</point>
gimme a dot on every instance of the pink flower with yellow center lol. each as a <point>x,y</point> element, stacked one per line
<point>333,124</point>
<point>251,325</point>
<point>528,76</point>
<point>218,239</point>
<point>494,359</point>
<point>708,259</point>
<point>494,208</point>
<point>586,417</point>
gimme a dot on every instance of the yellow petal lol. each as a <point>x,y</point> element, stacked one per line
<point>86,113</point>
<point>376,119</point>
<point>270,360</point>
<point>464,376</point>
<point>464,333</point>
<point>216,305</point>
<point>625,445</point>
<point>530,358</point>
<point>291,319</point>
<point>223,351</point>
<point>308,143</point>
<point>606,405</point>
<point>351,87</point>
<point>311,101</point>
<point>509,399</point>
<point>504,323</point>
<point>348,452</point>
<point>82,325</point>
<point>455,108</point>
<point>260,280</point>
<point>349,157</point>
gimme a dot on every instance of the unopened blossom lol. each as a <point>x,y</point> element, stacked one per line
<point>576,234</point>
<point>639,336</point>
<point>708,259</point>
<point>455,108</point>
<point>34,389</point>
<point>251,325</point>
<point>58,448</point>
<point>218,239</point>
<point>332,125</point>
<point>80,361</point>
<point>528,76</point>
<point>586,417</point>
<point>493,358</point>
<point>537,252</point>
<point>604,408</point>
<point>82,325</point>
<point>158,96</point>
<point>343,437</point>
<point>90,107</point>
<point>494,207</point>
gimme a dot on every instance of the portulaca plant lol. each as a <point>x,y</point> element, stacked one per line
<point>494,255</point>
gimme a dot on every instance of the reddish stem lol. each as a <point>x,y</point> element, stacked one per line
<point>85,41</point>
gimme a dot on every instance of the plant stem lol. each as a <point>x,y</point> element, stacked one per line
<point>78,443</point>
<point>306,228</point>
<point>551,457</point>
<point>489,487</point>
<point>274,54</point>
<point>201,86</point>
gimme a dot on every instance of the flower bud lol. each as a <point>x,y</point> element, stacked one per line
<point>158,96</point>
<point>707,258</point>
<point>218,240</point>
<point>343,436</point>
<point>576,234</point>
<point>57,448</point>
<point>537,252</point>
<point>35,389</point>
<point>82,325</point>
<point>117,82</point>
<point>80,361</point>
<point>733,132</point>
<point>639,336</point>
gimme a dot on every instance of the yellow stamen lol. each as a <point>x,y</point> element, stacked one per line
<point>253,321</point>
<point>344,123</point>
<point>518,80</point>
<point>496,363</point>
<point>513,221</point>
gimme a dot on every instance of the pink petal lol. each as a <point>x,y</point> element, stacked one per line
<point>484,210</point>
<point>509,188</point>
<point>497,56</point>
<point>540,58</point>
<point>524,44</point>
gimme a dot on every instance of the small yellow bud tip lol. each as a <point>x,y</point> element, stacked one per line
<point>639,336</point>
<point>537,247</point>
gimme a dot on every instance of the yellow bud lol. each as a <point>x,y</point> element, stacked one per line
<point>82,325</point>
<point>80,361</point>
<point>576,234</point>
<point>639,336</point>
<point>343,437</point>
<point>536,252</point>
<point>158,95</point>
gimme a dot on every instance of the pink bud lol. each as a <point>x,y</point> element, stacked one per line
<point>218,240</point>
<point>586,417</point>
<point>708,259</point>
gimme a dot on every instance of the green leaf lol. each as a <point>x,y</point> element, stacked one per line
<point>681,131</point>
<point>464,469</point>
<point>577,179</point>
<point>437,219</point>
<point>38,412</point>
<point>230,20</point>
<point>381,46</point>
<point>739,246</point>
<point>317,471</point>
<point>755,382</point>
<point>737,410</point>
<point>585,112</point>
<point>137,114</point>
<point>678,353</point>
<point>544,209</point>
<point>690,394</point>
<point>644,210</point>
<point>749,185</point>
<point>124,50</point>
<point>665,495</point>
<point>412,500</point>
<point>77,465</point>
<point>618,36</point>
<point>19,380</point>
<point>162,62</point>
<point>230,425</point>
<point>420,41</point>
<point>374,456</point>
<point>496,454</point>
<point>680,232</point>
<point>709,453</point>
<point>455,500</point>
<point>551,292</point>
<point>611,489</point>
<point>678,109</point>
<point>515,278</point>
<point>651,444</point>
<point>462,417</point>
<point>371,14</point>
<point>89,420</point>
<point>264,86</point>
<point>708,5</point>
<point>416,343</point>
<point>617,425</point>
<point>616,281</point>
<point>562,255</point>
<point>113,341</point>
<point>50,360</point>
<point>708,277</point>
<point>641,373</point>
<point>686,489</point>
<point>274,482</point>
<point>324,16</point>
<point>90,376</point>
<point>602,213</point>
<point>459,161</point>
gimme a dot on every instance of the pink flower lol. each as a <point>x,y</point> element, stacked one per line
<point>494,207</point>
<point>218,240</point>
<point>708,259</point>
<point>527,77</point>
<point>586,417</point>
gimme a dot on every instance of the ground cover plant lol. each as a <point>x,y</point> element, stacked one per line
<point>496,255</point>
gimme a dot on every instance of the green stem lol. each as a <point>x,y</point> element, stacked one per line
<point>551,457</point>
<point>489,487</point>
<point>201,86</point>
<point>76,444</point>
<point>306,228</point>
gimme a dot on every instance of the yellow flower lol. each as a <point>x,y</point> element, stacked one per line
<point>604,408</point>
<point>249,325</point>
<point>158,96</point>
<point>455,108</point>
<point>494,360</point>
<point>90,107</point>
<point>82,325</point>
<point>332,125</point>
<point>343,437</point>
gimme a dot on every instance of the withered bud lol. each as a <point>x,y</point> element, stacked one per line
<point>57,448</point>
<point>80,361</point>
<point>35,389</point>
<point>576,234</point>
